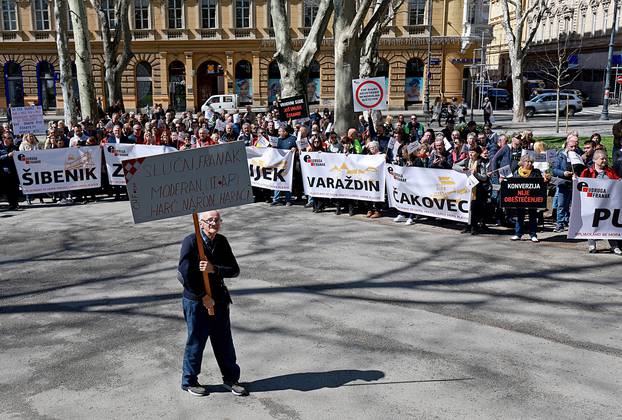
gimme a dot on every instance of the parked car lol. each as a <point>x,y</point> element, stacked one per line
<point>584,98</point>
<point>499,98</point>
<point>546,103</point>
<point>220,103</point>
<point>538,91</point>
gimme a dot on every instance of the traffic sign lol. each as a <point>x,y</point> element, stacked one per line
<point>619,79</point>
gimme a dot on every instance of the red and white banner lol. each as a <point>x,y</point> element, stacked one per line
<point>596,211</point>
<point>116,153</point>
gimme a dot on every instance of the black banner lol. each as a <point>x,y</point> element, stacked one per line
<point>293,108</point>
<point>524,193</point>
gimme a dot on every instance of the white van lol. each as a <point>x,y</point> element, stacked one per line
<point>221,103</point>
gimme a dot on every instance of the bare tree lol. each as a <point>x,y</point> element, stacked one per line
<point>84,67</point>
<point>369,50</point>
<point>294,65</point>
<point>554,66</point>
<point>114,35</point>
<point>349,33</point>
<point>519,35</point>
<point>61,15</point>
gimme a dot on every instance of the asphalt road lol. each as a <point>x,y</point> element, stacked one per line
<point>334,317</point>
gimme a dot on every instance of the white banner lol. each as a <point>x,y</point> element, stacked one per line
<point>270,168</point>
<point>337,175</point>
<point>441,193</point>
<point>54,170</point>
<point>195,180</point>
<point>596,211</point>
<point>28,119</point>
<point>370,94</point>
<point>115,153</point>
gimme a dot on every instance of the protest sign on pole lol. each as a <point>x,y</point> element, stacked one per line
<point>596,211</point>
<point>370,94</point>
<point>523,193</point>
<point>56,170</point>
<point>337,175</point>
<point>293,108</point>
<point>114,154</point>
<point>195,180</point>
<point>27,119</point>
<point>441,193</point>
<point>270,168</point>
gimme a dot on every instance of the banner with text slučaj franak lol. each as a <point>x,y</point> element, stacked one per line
<point>195,180</point>
<point>270,168</point>
<point>337,175</point>
<point>116,153</point>
<point>441,193</point>
<point>596,211</point>
<point>56,170</point>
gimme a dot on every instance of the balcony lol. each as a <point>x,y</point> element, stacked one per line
<point>44,35</point>
<point>209,33</point>
<point>417,30</point>
<point>8,35</point>
<point>142,34</point>
<point>244,33</point>
<point>175,34</point>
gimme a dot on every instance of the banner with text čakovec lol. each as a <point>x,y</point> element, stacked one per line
<point>115,153</point>
<point>441,193</point>
<point>55,170</point>
<point>195,180</point>
<point>270,168</point>
<point>596,211</point>
<point>336,175</point>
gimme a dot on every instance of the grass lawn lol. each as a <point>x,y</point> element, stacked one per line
<point>555,142</point>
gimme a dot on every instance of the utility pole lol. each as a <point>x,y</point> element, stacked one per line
<point>429,65</point>
<point>604,115</point>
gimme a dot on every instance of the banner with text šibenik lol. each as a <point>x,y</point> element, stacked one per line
<point>336,175</point>
<point>116,153</point>
<point>55,170</point>
<point>441,193</point>
<point>596,211</point>
<point>270,168</point>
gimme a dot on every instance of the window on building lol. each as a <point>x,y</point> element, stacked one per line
<point>108,7</point>
<point>605,20</point>
<point>242,13</point>
<point>9,15</point>
<point>581,23</point>
<point>144,85</point>
<point>310,12</point>
<point>313,83</point>
<point>416,12</point>
<point>46,85</point>
<point>593,22</point>
<point>175,14</point>
<point>14,84</point>
<point>413,83</point>
<point>274,81</point>
<point>42,15</point>
<point>141,14</point>
<point>244,82</point>
<point>208,13</point>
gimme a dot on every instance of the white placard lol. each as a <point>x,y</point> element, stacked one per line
<point>28,119</point>
<point>596,211</point>
<point>56,170</point>
<point>370,94</point>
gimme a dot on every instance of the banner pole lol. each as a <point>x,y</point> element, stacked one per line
<point>208,289</point>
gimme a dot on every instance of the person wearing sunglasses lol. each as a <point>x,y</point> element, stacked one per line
<point>219,263</point>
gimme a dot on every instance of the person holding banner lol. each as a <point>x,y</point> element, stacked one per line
<point>526,170</point>
<point>601,170</point>
<point>8,172</point>
<point>562,168</point>
<point>475,167</point>
<point>219,263</point>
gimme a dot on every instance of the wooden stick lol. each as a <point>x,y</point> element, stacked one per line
<point>208,289</point>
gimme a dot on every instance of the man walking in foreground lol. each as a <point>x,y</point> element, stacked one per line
<point>219,263</point>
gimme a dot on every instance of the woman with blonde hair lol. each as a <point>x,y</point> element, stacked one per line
<point>539,147</point>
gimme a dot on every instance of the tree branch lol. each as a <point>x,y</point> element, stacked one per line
<point>380,12</point>
<point>282,38</point>
<point>316,34</point>
<point>357,22</point>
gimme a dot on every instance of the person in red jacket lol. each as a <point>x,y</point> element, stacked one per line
<point>602,171</point>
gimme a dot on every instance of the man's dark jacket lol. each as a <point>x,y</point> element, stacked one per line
<point>219,253</point>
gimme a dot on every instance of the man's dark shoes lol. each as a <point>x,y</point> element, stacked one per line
<point>197,390</point>
<point>236,388</point>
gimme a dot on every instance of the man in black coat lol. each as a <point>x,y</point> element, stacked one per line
<point>220,263</point>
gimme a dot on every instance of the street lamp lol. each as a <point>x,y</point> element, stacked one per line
<point>604,115</point>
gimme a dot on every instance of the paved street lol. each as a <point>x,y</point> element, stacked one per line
<point>333,317</point>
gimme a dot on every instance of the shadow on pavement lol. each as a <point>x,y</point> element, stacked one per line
<point>311,381</point>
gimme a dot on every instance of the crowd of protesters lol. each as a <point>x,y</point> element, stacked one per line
<point>404,140</point>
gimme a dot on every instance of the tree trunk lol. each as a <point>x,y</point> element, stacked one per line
<point>84,66</point>
<point>347,62</point>
<point>518,93</point>
<point>557,109</point>
<point>62,44</point>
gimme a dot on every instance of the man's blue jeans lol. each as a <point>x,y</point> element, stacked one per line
<point>201,326</point>
<point>520,222</point>
<point>564,198</point>
<point>277,196</point>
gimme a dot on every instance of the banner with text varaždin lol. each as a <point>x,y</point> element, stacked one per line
<point>270,168</point>
<point>115,153</point>
<point>596,211</point>
<point>441,193</point>
<point>336,175</point>
<point>55,170</point>
<point>195,180</point>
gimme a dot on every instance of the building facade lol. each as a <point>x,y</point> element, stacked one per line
<point>187,50</point>
<point>579,29</point>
